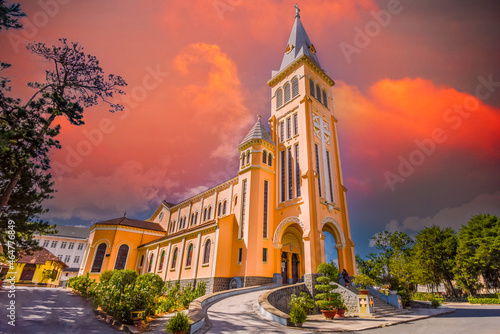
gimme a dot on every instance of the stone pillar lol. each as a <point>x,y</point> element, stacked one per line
<point>311,281</point>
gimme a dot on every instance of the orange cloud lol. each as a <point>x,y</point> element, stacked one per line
<point>411,120</point>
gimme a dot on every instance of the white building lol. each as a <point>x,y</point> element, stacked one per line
<point>69,245</point>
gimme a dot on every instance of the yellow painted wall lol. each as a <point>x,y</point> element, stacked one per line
<point>38,275</point>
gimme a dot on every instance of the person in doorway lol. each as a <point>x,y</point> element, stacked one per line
<point>345,276</point>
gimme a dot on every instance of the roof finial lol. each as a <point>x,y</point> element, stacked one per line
<point>297,10</point>
<point>258,117</point>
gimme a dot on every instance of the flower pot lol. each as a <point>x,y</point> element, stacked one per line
<point>364,292</point>
<point>340,313</point>
<point>329,314</point>
<point>298,324</point>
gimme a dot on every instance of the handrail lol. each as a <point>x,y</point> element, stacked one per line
<point>351,300</point>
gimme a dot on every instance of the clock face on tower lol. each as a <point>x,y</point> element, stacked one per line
<point>289,48</point>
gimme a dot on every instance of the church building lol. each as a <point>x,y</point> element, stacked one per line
<point>266,224</point>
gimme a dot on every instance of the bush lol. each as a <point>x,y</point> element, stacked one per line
<point>178,323</point>
<point>106,276</point>
<point>435,303</point>
<point>426,296</point>
<point>122,278</point>
<point>81,284</point>
<point>298,315</point>
<point>327,300</point>
<point>405,297</point>
<point>329,269</point>
<point>304,302</point>
<point>363,281</point>
<point>164,304</point>
<point>474,300</point>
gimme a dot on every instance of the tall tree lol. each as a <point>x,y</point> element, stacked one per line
<point>434,257</point>
<point>478,253</point>
<point>74,82</point>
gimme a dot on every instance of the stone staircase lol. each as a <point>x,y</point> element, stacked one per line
<point>382,309</point>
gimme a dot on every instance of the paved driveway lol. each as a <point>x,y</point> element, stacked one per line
<point>49,310</point>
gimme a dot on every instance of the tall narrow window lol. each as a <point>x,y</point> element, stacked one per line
<point>192,219</point>
<point>295,87</point>
<point>209,213</point>
<point>279,98</point>
<point>264,254</point>
<point>311,87</point>
<point>243,207</point>
<point>196,218</point>
<point>205,214</point>
<point>206,255</point>
<point>317,168</point>
<point>290,174</point>
<point>121,257</point>
<point>264,157</point>
<point>287,92</point>
<point>174,257</point>
<point>325,100</point>
<point>297,170</point>
<point>295,124</point>
<point>162,259</point>
<point>282,170</point>
<point>282,132</point>
<point>264,224</point>
<point>248,157</point>
<point>189,255</point>
<point>330,181</point>
<point>288,128</point>
<point>243,160</point>
<point>142,261</point>
<point>99,258</point>
<point>219,209</point>
<point>240,254</point>
<point>318,93</point>
<point>270,160</point>
<point>224,208</point>
<point>150,267</point>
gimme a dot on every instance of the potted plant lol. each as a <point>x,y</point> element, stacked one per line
<point>178,324</point>
<point>303,301</point>
<point>327,301</point>
<point>298,315</point>
<point>363,281</point>
<point>341,309</point>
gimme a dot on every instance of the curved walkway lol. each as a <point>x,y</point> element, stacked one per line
<point>238,314</point>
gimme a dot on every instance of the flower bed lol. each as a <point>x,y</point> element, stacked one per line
<point>122,291</point>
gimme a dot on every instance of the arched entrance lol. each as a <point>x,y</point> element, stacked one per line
<point>292,250</point>
<point>330,226</point>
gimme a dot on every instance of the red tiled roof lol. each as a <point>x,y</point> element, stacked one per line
<point>39,257</point>
<point>124,221</point>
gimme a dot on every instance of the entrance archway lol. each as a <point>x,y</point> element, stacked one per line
<point>292,250</point>
<point>332,227</point>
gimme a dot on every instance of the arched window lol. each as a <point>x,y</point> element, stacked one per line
<point>325,100</point>
<point>287,92</point>
<point>174,257</point>
<point>224,207</point>
<point>99,258</point>
<point>142,261</point>
<point>270,160</point>
<point>295,87</point>
<point>192,219</point>
<point>162,258</point>
<point>121,257</point>
<point>219,209</point>
<point>248,157</point>
<point>264,157</point>
<point>209,213</point>
<point>206,254</point>
<point>189,255</point>
<point>150,267</point>
<point>318,93</point>
<point>243,160</point>
<point>311,87</point>
<point>196,217</point>
<point>205,214</point>
<point>279,98</point>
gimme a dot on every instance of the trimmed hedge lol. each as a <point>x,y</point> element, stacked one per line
<point>474,300</point>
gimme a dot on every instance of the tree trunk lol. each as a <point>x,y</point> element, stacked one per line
<point>10,188</point>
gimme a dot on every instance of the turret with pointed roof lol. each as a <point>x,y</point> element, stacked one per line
<point>257,132</point>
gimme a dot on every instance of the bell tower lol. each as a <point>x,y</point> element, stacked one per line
<point>310,194</point>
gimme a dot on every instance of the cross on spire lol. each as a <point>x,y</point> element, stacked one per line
<point>297,10</point>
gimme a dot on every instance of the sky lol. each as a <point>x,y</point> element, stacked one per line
<point>417,96</point>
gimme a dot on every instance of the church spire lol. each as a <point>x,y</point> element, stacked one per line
<point>298,44</point>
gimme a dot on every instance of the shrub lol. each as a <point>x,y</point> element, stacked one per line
<point>329,269</point>
<point>405,297</point>
<point>327,300</point>
<point>474,300</point>
<point>122,278</point>
<point>363,281</point>
<point>426,296</point>
<point>435,303</point>
<point>106,276</point>
<point>164,304</point>
<point>298,315</point>
<point>304,302</point>
<point>178,323</point>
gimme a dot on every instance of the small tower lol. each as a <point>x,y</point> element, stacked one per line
<point>310,190</point>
